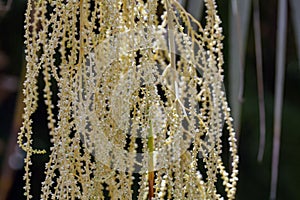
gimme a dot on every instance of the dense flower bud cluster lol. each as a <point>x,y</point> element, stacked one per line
<point>141,105</point>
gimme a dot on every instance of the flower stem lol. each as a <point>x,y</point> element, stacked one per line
<point>151,162</point>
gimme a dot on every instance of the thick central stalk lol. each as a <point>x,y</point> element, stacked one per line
<point>151,161</point>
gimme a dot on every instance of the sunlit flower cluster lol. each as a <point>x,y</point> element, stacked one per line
<point>141,106</point>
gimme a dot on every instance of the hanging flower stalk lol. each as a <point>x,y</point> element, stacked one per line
<point>141,106</point>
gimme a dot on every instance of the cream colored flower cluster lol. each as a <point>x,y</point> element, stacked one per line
<point>141,106</point>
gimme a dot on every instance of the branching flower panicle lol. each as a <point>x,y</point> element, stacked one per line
<point>141,104</point>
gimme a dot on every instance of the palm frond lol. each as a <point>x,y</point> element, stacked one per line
<point>195,7</point>
<point>260,84</point>
<point>239,24</point>
<point>295,6</point>
<point>279,89</point>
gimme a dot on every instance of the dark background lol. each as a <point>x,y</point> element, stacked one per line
<point>254,177</point>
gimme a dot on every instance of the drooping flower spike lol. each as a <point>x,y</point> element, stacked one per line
<point>141,106</point>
